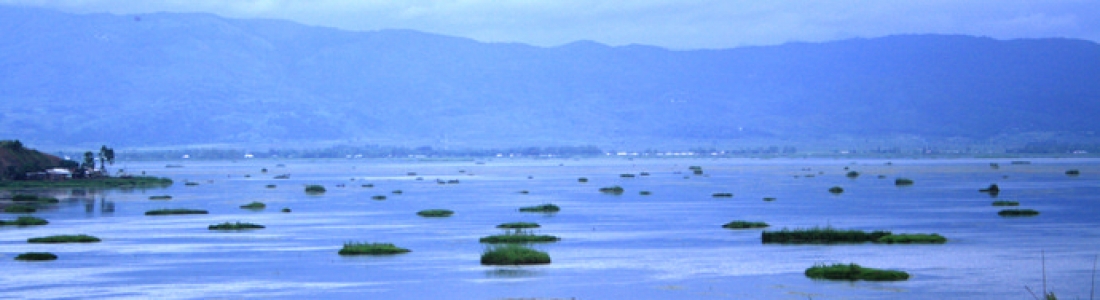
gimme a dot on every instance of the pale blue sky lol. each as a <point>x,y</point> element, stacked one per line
<point>676,24</point>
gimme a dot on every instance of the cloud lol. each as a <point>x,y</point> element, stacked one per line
<point>676,24</point>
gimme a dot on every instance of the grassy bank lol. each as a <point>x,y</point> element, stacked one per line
<point>111,182</point>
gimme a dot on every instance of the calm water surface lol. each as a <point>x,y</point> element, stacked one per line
<point>668,245</point>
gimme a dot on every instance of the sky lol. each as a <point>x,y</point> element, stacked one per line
<point>673,24</point>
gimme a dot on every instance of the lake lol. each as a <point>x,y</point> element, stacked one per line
<point>666,245</point>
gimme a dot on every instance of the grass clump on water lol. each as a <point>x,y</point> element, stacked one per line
<point>315,189</point>
<point>518,225</point>
<point>1073,172</point>
<point>20,209</point>
<point>903,181</point>
<point>818,235</point>
<point>836,190</point>
<point>513,254</point>
<point>613,190</point>
<point>378,197</point>
<point>435,213</point>
<point>34,199</point>
<point>1018,213</point>
<point>56,239</point>
<point>645,193</point>
<point>254,205</point>
<point>25,221</point>
<point>1006,203</point>
<point>161,197</point>
<point>518,236</point>
<point>722,195</point>
<point>914,238</point>
<point>854,272</point>
<point>546,208</point>
<point>744,225</point>
<point>353,248</point>
<point>852,174</point>
<point>175,211</point>
<point>234,226</point>
<point>582,179</point>
<point>36,256</point>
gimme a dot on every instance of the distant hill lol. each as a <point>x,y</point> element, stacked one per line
<point>16,160</point>
<point>173,79</point>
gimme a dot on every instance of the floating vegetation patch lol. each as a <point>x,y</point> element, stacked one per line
<point>254,205</point>
<point>513,254</point>
<point>744,225</point>
<point>613,190</point>
<point>25,221</point>
<point>354,248</point>
<point>644,174</point>
<point>1006,203</point>
<point>818,235</point>
<point>853,272</point>
<point>993,189</point>
<point>20,209</point>
<point>544,208</point>
<point>582,179</point>
<point>903,181</point>
<point>378,197</point>
<point>397,192</point>
<point>34,199</point>
<point>518,236</point>
<point>518,225</point>
<point>57,239</point>
<point>769,199</point>
<point>1018,213</point>
<point>852,174</point>
<point>912,238</point>
<point>435,213</point>
<point>234,226</point>
<point>722,195</point>
<point>270,186</point>
<point>1073,172</point>
<point>644,193</point>
<point>175,211</point>
<point>36,256</point>
<point>836,190</point>
<point>315,189</point>
<point>626,175</point>
<point>162,197</point>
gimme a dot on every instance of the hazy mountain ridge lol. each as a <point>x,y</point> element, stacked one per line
<point>164,79</point>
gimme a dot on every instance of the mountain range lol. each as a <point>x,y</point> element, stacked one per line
<point>168,79</point>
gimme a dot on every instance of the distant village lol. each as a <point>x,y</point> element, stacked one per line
<point>17,162</point>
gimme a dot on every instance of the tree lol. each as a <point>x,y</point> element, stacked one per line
<point>106,155</point>
<point>89,160</point>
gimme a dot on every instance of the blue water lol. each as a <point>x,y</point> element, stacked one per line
<point>668,245</point>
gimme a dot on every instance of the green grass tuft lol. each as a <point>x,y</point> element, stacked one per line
<point>852,174</point>
<point>836,190</point>
<point>614,190</point>
<point>25,221</point>
<point>54,239</point>
<point>513,254</point>
<point>234,226</point>
<point>36,256</point>
<point>162,197</point>
<point>912,238</point>
<point>818,235</point>
<point>1018,213</point>
<point>315,189</point>
<point>254,205</point>
<point>854,272</point>
<point>722,195</point>
<point>518,225</point>
<point>435,213</point>
<point>378,197</point>
<point>903,181</point>
<point>175,211</point>
<point>353,248</point>
<point>744,225</point>
<point>546,208</point>
<point>518,236</point>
